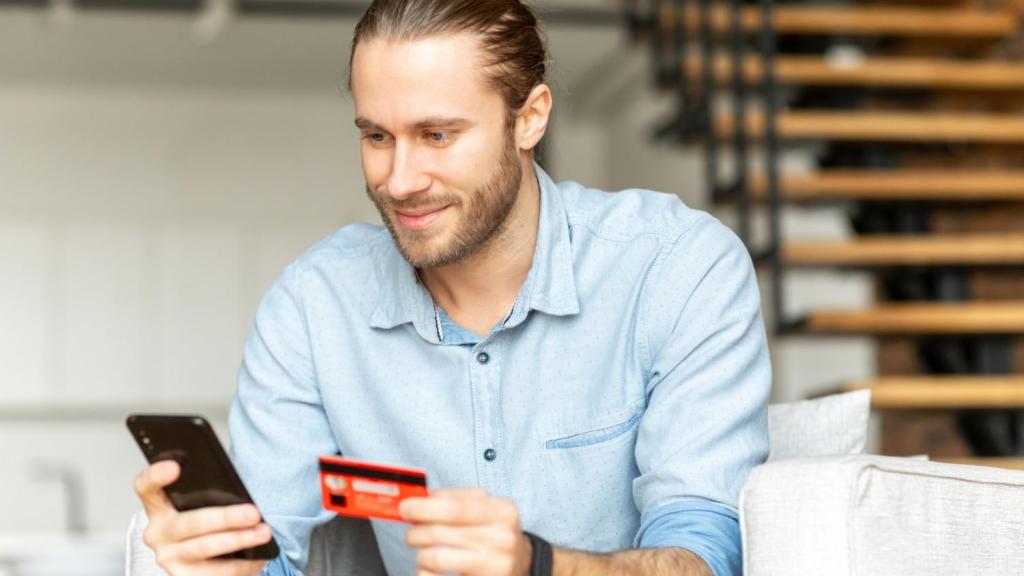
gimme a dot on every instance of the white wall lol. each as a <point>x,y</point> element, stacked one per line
<point>139,229</point>
<point>151,189</point>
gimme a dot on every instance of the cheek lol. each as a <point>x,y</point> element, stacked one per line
<point>376,165</point>
<point>470,162</point>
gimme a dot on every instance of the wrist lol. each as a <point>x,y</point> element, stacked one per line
<point>526,558</point>
<point>541,555</point>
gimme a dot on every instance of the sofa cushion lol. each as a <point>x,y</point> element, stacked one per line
<point>868,515</point>
<point>828,426</point>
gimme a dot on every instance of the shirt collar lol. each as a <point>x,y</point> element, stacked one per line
<point>550,286</point>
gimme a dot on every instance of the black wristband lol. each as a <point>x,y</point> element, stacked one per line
<point>543,558</point>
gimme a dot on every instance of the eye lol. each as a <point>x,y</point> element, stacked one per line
<point>438,137</point>
<point>375,137</point>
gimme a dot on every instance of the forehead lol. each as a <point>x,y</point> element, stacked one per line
<point>399,81</point>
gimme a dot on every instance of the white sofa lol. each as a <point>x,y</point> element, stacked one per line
<point>876,516</point>
<point>818,507</point>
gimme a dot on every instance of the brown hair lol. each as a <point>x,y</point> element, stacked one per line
<point>515,57</point>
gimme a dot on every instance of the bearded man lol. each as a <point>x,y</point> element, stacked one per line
<point>582,374</point>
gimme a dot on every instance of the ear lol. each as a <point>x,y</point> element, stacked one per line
<point>532,119</point>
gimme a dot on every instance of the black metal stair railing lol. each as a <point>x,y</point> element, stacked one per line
<point>695,112</point>
<point>696,26</point>
<point>769,94</point>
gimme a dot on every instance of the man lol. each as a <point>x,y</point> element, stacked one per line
<point>588,367</point>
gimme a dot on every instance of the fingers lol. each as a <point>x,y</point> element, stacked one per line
<point>168,536</point>
<point>214,545</point>
<point>459,507</point>
<point>442,560</point>
<point>425,535</point>
<point>204,521</point>
<point>191,541</point>
<point>466,532</point>
<point>469,537</point>
<point>461,493</point>
<point>246,567</point>
<point>149,486</point>
<point>229,568</point>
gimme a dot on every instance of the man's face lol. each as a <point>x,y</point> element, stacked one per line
<point>440,160</point>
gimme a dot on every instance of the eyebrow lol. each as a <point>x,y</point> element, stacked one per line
<point>429,122</point>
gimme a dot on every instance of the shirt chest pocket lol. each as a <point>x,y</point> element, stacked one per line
<point>586,469</point>
<point>582,430</point>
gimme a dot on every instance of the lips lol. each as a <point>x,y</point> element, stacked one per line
<point>419,220</point>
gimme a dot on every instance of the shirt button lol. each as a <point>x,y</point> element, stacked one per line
<point>483,357</point>
<point>490,454</point>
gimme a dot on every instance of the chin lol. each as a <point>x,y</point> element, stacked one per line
<point>422,252</point>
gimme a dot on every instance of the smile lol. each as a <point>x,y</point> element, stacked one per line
<point>420,221</point>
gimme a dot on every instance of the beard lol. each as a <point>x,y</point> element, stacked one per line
<point>484,216</point>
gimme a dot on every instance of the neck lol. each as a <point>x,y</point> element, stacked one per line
<point>478,291</point>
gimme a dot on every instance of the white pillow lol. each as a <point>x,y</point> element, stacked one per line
<point>829,426</point>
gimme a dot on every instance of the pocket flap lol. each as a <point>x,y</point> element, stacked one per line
<point>600,429</point>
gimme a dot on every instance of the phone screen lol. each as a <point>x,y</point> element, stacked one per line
<point>207,476</point>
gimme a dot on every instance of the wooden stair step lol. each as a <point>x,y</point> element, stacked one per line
<point>903,184</point>
<point>865,125</point>
<point>877,72</point>
<point>943,392</point>
<point>1008,462</point>
<point>920,318</point>
<point>919,22</point>
<point>895,250</point>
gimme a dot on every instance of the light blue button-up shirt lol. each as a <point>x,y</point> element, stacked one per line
<point>624,396</point>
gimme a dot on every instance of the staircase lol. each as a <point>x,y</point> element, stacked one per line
<point>867,19</point>
<point>915,114</point>
<point>930,184</point>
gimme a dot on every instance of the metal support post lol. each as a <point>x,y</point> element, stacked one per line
<point>707,97</point>
<point>771,148</point>
<point>739,89</point>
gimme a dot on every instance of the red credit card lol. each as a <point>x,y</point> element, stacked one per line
<point>367,490</point>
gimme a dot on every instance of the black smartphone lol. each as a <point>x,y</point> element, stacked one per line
<point>207,476</point>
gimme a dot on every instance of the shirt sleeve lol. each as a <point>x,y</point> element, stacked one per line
<point>277,423</point>
<point>708,529</point>
<point>707,383</point>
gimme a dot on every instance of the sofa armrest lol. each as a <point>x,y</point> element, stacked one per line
<point>139,558</point>
<point>874,515</point>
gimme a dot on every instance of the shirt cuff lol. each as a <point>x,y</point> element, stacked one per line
<point>708,529</point>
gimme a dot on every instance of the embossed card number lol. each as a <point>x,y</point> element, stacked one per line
<point>381,488</point>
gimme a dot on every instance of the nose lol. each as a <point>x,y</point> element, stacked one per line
<point>407,177</point>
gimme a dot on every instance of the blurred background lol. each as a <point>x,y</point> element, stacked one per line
<point>161,162</point>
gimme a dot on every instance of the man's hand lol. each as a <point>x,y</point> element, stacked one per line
<point>186,543</point>
<point>466,531</point>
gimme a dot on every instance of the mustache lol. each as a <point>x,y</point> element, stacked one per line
<point>416,203</point>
